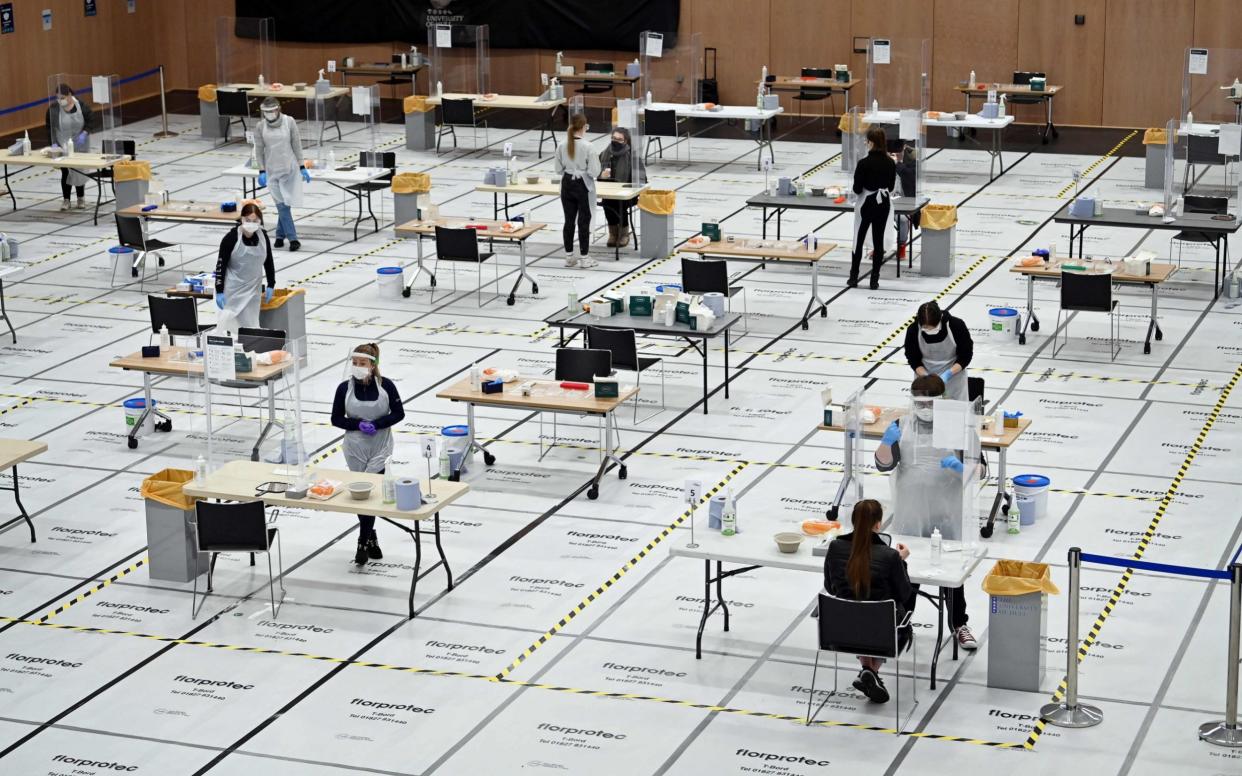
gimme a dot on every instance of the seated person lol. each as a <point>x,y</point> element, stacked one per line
<point>861,567</point>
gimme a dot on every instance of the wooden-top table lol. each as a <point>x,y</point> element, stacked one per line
<point>795,83</point>
<point>13,452</point>
<point>546,396</point>
<point>613,78</point>
<point>286,93</point>
<point>1049,91</point>
<point>184,211</point>
<point>508,102</point>
<point>89,164</point>
<point>174,362</point>
<point>390,70</point>
<point>492,230</point>
<point>763,251</point>
<point>1160,272</point>
<point>241,481</point>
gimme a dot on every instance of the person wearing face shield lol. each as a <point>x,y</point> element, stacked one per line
<point>940,344</point>
<point>619,164</point>
<point>927,483</point>
<point>69,119</point>
<point>278,149</point>
<point>367,406</point>
<point>245,272</point>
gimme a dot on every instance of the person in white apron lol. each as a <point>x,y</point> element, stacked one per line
<point>278,149</point>
<point>69,119</point>
<point>367,406</point>
<point>938,343</point>
<point>244,263</point>
<point>927,485</point>
<point>578,165</point>
<point>874,178</point>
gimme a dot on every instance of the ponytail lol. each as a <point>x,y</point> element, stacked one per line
<point>576,123</point>
<point>867,515</point>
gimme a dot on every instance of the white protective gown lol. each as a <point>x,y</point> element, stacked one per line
<point>925,495</point>
<point>279,152</point>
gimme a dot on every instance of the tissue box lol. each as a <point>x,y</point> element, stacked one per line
<point>1082,207</point>
<point>17,148</point>
<point>711,230</point>
<point>618,303</point>
<point>681,313</point>
<point>1037,83</point>
<point>843,74</point>
<point>991,110</point>
<point>494,386</point>
<point>633,70</point>
<point>607,388</point>
<point>242,362</point>
<point>640,306</point>
<point>322,87</point>
<point>771,101</point>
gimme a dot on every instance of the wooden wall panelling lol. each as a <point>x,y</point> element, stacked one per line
<point>906,23</point>
<point>808,33</point>
<point>1144,51</point>
<point>1071,55</point>
<point>970,35</point>
<point>740,30</point>
<point>1218,27</point>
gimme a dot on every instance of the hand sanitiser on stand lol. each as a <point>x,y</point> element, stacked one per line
<point>728,518</point>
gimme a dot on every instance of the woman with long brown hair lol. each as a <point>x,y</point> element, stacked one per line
<point>874,179</point>
<point>862,567</point>
<point>578,165</point>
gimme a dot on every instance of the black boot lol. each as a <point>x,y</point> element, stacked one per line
<point>360,556</point>
<point>294,245</point>
<point>280,242</point>
<point>373,548</point>
<point>875,270</point>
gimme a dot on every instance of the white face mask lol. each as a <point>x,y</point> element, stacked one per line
<point>271,116</point>
<point>65,103</point>
<point>250,227</point>
<point>931,331</point>
<point>360,372</point>
<point>923,413</point>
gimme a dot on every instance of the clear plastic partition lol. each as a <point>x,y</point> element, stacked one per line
<point>937,481</point>
<point>86,110</point>
<point>853,140</point>
<point>1212,86</point>
<point>898,73</point>
<point>460,58</point>
<point>1201,158</point>
<point>852,484</point>
<point>627,120</point>
<point>672,66</point>
<point>364,106</point>
<point>244,50</point>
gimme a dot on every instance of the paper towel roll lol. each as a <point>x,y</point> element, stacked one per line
<point>715,301</point>
<point>409,494</point>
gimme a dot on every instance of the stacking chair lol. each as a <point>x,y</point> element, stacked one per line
<point>1197,204</point>
<point>235,106</point>
<point>711,276</point>
<point>623,345</point>
<point>1081,292</point>
<point>460,113</point>
<point>866,628</point>
<point>577,365</point>
<point>236,528</point>
<point>125,147</point>
<point>659,124</point>
<point>255,341</point>
<point>1201,150</point>
<point>131,233</point>
<point>463,245</point>
<point>385,159</point>
<point>814,94</point>
<point>178,313</point>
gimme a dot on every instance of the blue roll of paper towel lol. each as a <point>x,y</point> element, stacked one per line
<point>409,494</point>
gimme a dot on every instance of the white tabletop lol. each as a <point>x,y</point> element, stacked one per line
<point>973,120</point>
<point>754,546</point>
<point>358,175</point>
<point>1199,129</point>
<point>10,268</point>
<point>724,111</point>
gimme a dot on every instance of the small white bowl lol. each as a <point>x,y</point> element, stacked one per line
<point>360,491</point>
<point>788,541</point>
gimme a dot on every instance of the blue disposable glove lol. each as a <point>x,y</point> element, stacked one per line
<point>305,176</point>
<point>946,374</point>
<point>262,178</point>
<point>368,428</point>
<point>951,462</point>
<point>220,300</point>
<point>268,293</point>
<point>892,434</point>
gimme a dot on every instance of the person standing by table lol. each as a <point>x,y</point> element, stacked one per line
<point>244,263</point>
<point>938,343</point>
<point>69,120</point>
<point>907,172</point>
<point>874,178</point>
<point>860,566</point>
<point>278,149</point>
<point>367,406</point>
<point>619,165</point>
<point>578,165</point>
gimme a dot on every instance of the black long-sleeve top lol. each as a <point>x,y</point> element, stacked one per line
<point>961,335</point>
<point>368,391</point>
<point>889,577</point>
<point>876,172</point>
<point>226,253</point>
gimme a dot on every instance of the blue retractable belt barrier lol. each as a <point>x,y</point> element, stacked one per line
<point>1165,568</point>
<point>44,101</point>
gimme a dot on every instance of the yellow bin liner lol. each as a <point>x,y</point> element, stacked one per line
<point>207,93</point>
<point>938,217</point>
<point>131,171</point>
<point>280,296</point>
<point>165,487</point>
<point>1019,577</point>
<point>657,201</point>
<point>845,125</point>
<point>1156,136</point>
<point>416,104</point>
<point>411,183</point>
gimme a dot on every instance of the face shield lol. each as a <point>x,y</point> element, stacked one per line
<point>271,111</point>
<point>358,366</point>
<point>921,408</point>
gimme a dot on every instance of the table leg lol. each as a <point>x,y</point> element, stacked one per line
<point>1153,325</point>
<point>9,188</point>
<point>17,496</point>
<point>1030,320</point>
<point>370,211</point>
<point>439,549</point>
<point>779,213</point>
<point>705,377</point>
<point>942,607</point>
<point>726,365</point>
<point>522,274</point>
<point>4,313</point>
<point>707,609</point>
<point>810,305</point>
<point>271,421</point>
<point>418,561</point>
<point>98,196</point>
<point>1002,501</point>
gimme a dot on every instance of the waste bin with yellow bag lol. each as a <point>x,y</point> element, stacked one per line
<point>1017,623</point>
<point>170,535</point>
<point>1155,147</point>
<point>937,223</point>
<point>656,217</point>
<point>420,123</point>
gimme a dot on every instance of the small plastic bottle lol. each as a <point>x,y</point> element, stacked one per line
<point>649,102</point>
<point>388,487</point>
<point>936,548</point>
<point>1014,520</point>
<point>165,337</point>
<point>972,79</point>
<point>439,88</point>
<point>446,466</point>
<point>476,378</point>
<point>728,517</point>
<point>69,147</point>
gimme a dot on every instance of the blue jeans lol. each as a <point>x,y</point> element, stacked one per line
<point>284,222</point>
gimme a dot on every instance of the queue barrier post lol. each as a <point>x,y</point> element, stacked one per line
<point>1226,731</point>
<point>1069,713</point>
<point>165,132</point>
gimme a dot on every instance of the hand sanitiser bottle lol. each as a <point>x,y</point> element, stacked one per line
<point>936,548</point>
<point>389,487</point>
<point>728,518</point>
<point>446,465</point>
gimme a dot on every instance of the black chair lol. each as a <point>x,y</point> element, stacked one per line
<point>460,113</point>
<point>236,528</point>
<point>577,365</point>
<point>384,159</point>
<point>659,124</point>
<point>813,94</point>
<point>235,106</point>
<point>132,233</point>
<point>178,313</point>
<point>1198,204</point>
<point>463,245</point>
<point>596,87</point>
<point>121,147</point>
<point>623,345</point>
<point>1202,150</point>
<point>711,276</point>
<point>261,340</point>
<point>1081,292</point>
<point>866,628</point>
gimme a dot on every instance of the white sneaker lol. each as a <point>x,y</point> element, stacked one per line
<point>571,260</point>
<point>586,262</point>
<point>64,205</point>
<point>81,204</point>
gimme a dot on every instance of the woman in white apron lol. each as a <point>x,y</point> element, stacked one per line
<point>367,406</point>
<point>940,344</point>
<point>278,149</point>
<point>874,178</point>
<point>69,119</point>
<point>578,165</point>
<point>244,263</point>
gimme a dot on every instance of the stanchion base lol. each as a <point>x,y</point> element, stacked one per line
<point>1081,716</point>
<point>1221,734</point>
<point>164,134</point>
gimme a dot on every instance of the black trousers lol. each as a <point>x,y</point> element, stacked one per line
<point>957,612</point>
<point>873,216</point>
<point>577,204</point>
<point>366,525</point>
<point>64,185</point>
<point>616,212</point>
